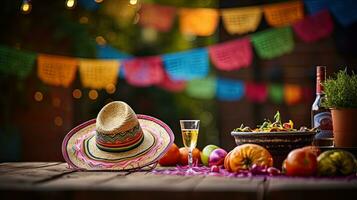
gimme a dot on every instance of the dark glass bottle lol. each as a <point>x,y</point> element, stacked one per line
<point>320,116</point>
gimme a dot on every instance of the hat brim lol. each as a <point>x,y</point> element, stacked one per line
<point>81,153</point>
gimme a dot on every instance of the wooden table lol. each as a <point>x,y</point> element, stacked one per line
<point>55,181</point>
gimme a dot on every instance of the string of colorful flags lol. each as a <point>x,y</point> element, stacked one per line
<point>241,20</point>
<point>189,70</point>
<point>143,72</point>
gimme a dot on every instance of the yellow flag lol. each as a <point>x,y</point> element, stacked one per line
<point>56,70</point>
<point>98,74</point>
<point>198,21</point>
<point>241,20</point>
<point>282,14</point>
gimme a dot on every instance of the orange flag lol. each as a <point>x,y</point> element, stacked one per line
<point>56,70</point>
<point>156,16</point>
<point>198,21</point>
<point>241,20</point>
<point>98,74</point>
<point>292,94</point>
<point>282,14</point>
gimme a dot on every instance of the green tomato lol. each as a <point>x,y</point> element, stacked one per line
<point>206,152</point>
<point>336,162</point>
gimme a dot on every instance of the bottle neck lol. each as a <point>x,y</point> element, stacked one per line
<point>320,78</point>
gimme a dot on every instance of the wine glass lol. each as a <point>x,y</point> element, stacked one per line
<point>189,130</point>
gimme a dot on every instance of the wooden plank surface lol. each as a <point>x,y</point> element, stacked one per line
<point>14,166</point>
<point>231,188</point>
<point>311,188</point>
<point>57,181</point>
<point>143,181</point>
<point>79,181</point>
<point>26,177</point>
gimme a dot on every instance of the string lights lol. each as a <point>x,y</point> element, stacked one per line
<point>26,6</point>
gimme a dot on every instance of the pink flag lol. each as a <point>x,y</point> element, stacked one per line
<point>172,85</point>
<point>231,55</point>
<point>314,27</point>
<point>156,16</point>
<point>145,71</point>
<point>256,92</point>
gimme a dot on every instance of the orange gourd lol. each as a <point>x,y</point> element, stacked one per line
<point>244,156</point>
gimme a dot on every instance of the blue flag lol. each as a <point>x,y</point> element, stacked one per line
<point>345,11</point>
<point>229,90</point>
<point>187,65</point>
<point>314,6</point>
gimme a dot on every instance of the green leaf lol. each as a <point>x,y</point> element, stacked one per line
<point>341,91</point>
<point>277,118</point>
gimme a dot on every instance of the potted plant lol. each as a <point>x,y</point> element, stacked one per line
<point>341,98</point>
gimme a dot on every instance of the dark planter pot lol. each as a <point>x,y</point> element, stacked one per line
<point>345,127</point>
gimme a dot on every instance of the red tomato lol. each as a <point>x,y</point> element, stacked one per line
<point>196,156</point>
<point>172,156</point>
<point>315,150</point>
<point>301,162</point>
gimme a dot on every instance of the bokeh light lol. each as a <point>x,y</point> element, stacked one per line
<point>38,96</point>
<point>100,40</point>
<point>133,2</point>
<point>70,3</point>
<point>110,88</point>
<point>77,93</point>
<point>58,121</point>
<point>83,20</point>
<point>26,7</point>
<point>93,94</point>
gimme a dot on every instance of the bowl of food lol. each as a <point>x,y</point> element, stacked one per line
<point>277,137</point>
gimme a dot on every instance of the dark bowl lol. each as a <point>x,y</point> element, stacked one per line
<point>279,144</point>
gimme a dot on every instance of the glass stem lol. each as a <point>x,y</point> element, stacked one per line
<point>190,161</point>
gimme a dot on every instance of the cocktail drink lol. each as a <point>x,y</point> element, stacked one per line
<point>189,130</point>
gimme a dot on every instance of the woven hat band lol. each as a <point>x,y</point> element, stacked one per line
<point>120,141</point>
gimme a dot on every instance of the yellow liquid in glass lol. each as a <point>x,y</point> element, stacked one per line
<point>189,137</point>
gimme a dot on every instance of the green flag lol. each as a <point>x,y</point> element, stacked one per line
<point>273,42</point>
<point>15,62</point>
<point>202,88</point>
<point>276,93</point>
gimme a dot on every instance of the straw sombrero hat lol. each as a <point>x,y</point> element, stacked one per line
<point>117,140</point>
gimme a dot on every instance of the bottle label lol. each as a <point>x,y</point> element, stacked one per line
<point>320,78</point>
<point>323,121</point>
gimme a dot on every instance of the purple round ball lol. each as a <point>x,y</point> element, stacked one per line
<point>217,157</point>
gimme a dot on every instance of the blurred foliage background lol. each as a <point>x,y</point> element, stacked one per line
<point>53,28</point>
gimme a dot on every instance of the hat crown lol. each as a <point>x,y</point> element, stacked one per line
<point>115,117</point>
<point>117,127</point>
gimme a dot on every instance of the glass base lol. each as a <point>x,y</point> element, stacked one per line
<point>191,171</point>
